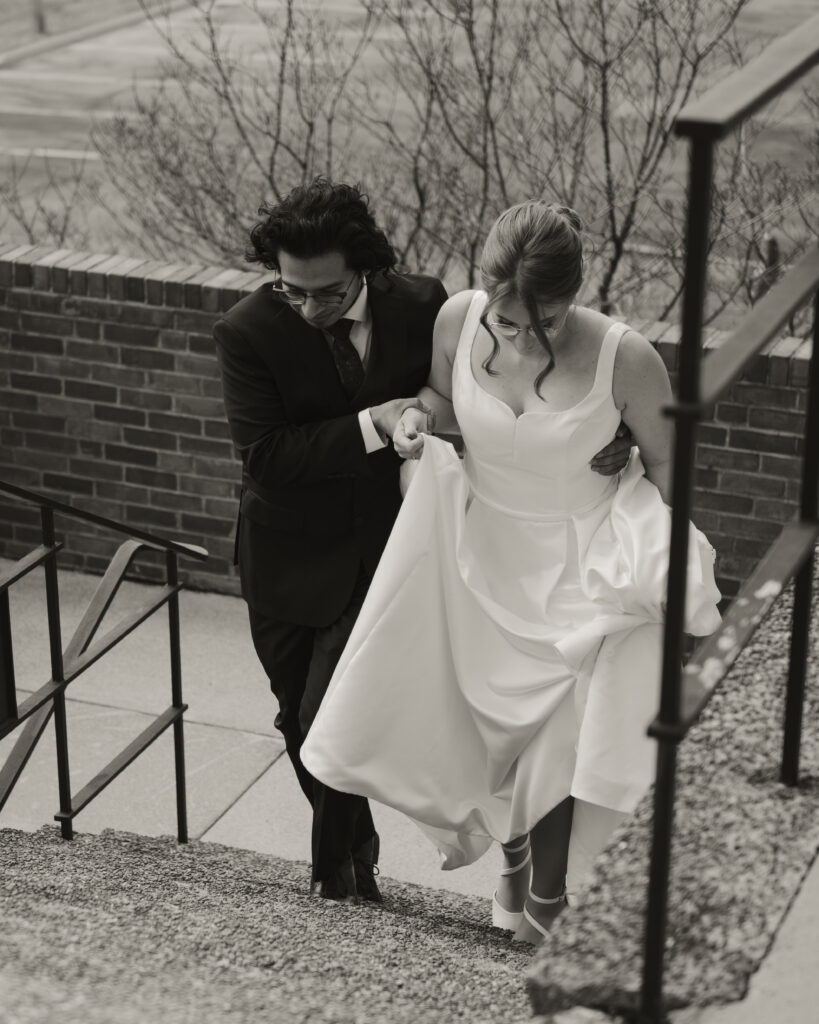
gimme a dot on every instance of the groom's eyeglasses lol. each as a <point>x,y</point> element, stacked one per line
<point>296,297</point>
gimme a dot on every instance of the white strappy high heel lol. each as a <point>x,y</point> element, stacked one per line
<point>501,917</point>
<point>562,898</point>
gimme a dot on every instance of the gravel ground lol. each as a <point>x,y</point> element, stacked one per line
<point>126,929</point>
<point>743,844</point>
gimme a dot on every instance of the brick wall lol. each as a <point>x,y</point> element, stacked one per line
<point>110,399</point>
<point>748,459</point>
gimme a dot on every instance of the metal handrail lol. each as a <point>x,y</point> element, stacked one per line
<point>726,105</point>
<point>82,651</point>
<point>149,539</point>
<point>684,694</point>
<point>758,327</point>
<point>714,657</point>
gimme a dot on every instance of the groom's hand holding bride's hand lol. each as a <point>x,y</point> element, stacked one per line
<point>386,417</point>
<point>408,439</point>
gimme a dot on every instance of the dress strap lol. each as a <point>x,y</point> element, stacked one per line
<point>463,350</point>
<point>472,318</point>
<point>604,376</point>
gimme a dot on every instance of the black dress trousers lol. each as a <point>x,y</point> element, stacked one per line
<point>300,661</point>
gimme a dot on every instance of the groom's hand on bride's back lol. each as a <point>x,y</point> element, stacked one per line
<point>614,456</point>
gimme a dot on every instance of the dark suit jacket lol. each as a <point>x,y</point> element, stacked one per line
<point>314,503</point>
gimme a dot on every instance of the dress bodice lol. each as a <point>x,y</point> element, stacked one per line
<point>535,465</point>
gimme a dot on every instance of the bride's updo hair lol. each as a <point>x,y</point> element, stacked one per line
<point>534,252</point>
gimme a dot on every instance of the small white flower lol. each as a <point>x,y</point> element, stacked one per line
<point>769,589</point>
<point>712,671</point>
<point>728,640</point>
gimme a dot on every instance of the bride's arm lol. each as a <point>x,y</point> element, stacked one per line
<point>641,388</point>
<point>437,392</point>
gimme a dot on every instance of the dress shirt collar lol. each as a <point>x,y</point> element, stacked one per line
<point>360,310</point>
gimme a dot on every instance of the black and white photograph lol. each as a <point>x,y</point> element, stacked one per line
<point>409,495</point>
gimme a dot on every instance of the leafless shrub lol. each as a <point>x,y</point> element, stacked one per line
<point>448,111</point>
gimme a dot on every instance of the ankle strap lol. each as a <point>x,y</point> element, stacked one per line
<point>518,867</point>
<point>517,849</point>
<point>546,902</point>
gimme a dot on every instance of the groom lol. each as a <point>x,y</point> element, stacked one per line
<point>311,366</point>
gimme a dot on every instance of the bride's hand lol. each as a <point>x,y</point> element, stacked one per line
<point>408,439</point>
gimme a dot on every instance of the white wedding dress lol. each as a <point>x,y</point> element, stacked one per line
<point>508,652</point>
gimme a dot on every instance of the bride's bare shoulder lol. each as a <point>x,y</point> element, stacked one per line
<point>639,372</point>
<point>450,321</point>
<point>592,324</point>
<point>454,310</point>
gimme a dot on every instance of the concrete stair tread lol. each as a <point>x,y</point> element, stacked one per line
<point>124,928</point>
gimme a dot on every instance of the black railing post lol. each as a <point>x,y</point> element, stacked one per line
<point>8,692</point>
<point>667,728</point>
<point>57,673</point>
<point>176,699</point>
<point>800,625</point>
<point>34,712</point>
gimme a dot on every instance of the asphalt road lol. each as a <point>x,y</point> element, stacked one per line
<point>50,100</point>
<point>47,101</point>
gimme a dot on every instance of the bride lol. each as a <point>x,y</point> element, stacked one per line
<point>502,672</point>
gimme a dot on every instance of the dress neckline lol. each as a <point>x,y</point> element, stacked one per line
<point>540,412</point>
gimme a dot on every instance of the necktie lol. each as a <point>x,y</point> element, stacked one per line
<point>347,360</point>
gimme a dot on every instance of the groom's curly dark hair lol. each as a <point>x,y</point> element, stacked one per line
<point>317,218</point>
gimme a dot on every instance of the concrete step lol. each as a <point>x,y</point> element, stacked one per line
<point>124,929</point>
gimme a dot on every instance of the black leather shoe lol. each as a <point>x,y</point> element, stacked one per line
<point>339,886</point>
<point>365,863</point>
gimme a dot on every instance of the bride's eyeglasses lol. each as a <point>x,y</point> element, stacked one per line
<point>511,331</point>
<point>296,297</point>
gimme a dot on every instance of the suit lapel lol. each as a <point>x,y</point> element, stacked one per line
<point>302,357</point>
<point>388,347</point>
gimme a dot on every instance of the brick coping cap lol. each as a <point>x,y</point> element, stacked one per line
<point>215,288</point>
